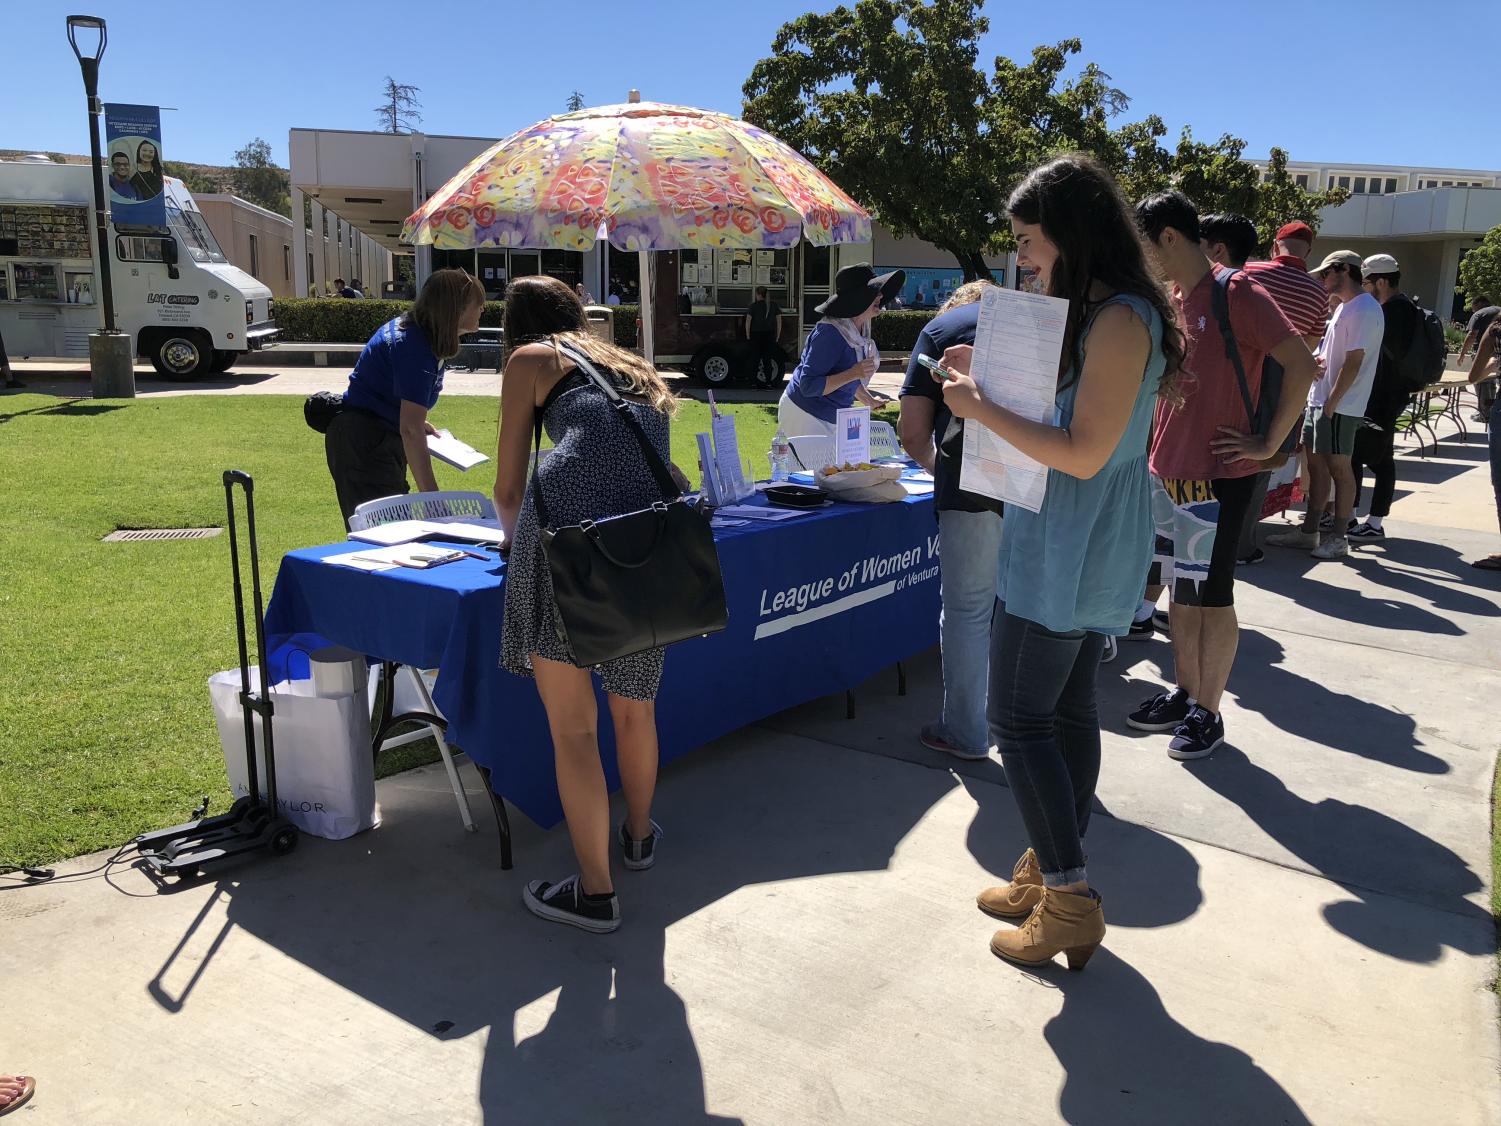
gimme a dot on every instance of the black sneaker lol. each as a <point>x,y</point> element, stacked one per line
<point>1163,712</point>
<point>1257,556</point>
<point>1366,532</point>
<point>1160,620</point>
<point>1197,736</point>
<point>565,902</point>
<point>1111,651</point>
<point>639,855</point>
<point>1143,630</point>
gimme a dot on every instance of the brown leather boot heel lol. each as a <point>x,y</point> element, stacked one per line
<point>1064,922</point>
<point>1016,899</point>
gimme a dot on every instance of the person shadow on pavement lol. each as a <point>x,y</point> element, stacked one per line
<point>1374,857</point>
<point>418,920</point>
<point>1127,1060</point>
<point>1301,706</point>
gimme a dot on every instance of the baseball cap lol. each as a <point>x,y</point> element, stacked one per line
<point>1380,264</point>
<point>1295,230</point>
<point>1337,258</point>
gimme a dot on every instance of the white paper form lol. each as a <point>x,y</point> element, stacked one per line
<point>1017,344</point>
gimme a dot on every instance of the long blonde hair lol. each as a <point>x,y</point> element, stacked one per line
<point>445,298</point>
<point>542,309</point>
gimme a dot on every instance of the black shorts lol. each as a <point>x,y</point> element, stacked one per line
<point>1198,532</point>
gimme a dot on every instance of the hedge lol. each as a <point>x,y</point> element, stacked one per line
<point>336,320</point>
<point>897,330</point>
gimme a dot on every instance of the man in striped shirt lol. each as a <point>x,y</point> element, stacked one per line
<point>1302,299</point>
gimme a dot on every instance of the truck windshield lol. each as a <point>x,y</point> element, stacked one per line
<point>193,234</point>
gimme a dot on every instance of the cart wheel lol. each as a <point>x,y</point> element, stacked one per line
<point>715,365</point>
<point>284,841</point>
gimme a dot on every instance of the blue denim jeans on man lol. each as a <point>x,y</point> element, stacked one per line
<point>1043,714</point>
<point>969,550</point>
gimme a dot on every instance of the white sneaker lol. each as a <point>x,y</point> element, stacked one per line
<point>1333,547</point>
<point>1294,537</point>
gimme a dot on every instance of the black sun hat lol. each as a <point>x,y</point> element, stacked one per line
<point>855,287</point>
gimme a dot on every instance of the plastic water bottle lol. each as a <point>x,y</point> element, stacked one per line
<point>781,456</point>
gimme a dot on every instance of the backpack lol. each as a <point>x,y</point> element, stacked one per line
<point>1424,361</point>
<point>1261,413</point>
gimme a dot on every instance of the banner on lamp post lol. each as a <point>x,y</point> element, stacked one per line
<point>133,165</point>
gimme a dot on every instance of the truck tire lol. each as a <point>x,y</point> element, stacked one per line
<point>768,371</point>
<point>716,365</point>
<point>223,361</point>
<point>179,354</point>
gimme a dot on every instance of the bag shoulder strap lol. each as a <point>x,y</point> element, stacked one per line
<point>1221,302</point>
<point>654,462</point>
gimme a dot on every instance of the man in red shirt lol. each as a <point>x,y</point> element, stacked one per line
<point>1303,301</point>
<point>1204,465</point>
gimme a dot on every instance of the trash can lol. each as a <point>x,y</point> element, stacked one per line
<point>601,322</point>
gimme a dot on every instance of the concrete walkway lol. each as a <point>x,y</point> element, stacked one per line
<point>1299,925</point>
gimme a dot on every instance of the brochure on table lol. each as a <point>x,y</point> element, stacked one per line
<point>1017,344</point>
<point>463,529</point>
<point>852,436</point>
<point>732,482</point>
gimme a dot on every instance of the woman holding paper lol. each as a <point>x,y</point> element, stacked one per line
<point>383,426</point>
<point>596,469</point>
<point>840,355</point>
<point>1070,573</point>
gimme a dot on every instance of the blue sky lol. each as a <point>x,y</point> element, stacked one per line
<point>1370,81</point>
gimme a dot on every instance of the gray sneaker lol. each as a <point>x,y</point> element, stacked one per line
<point>1294,537</point>
<point>1332,547</point>
<point>935,738</point>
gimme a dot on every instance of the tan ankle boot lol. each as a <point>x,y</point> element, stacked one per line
<point>1063,921</point>
<point>1016,899</point>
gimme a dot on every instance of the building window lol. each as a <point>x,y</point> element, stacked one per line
<point>311,284</point>
<point>1301,179</point>
<point>1359,188</point>
<point>1391,184</point>
<point>255,257</point>
<point>725,280</point>
<point>286,262</point>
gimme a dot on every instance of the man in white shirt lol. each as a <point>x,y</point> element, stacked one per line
<point>1349,353</point>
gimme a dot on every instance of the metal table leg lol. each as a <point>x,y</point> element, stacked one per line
<point>502,822</point>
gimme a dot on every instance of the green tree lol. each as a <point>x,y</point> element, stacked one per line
<point>1480,269</point>
<point>398,110</point>
<point>888,100</point>
<point>256,179</point>
<point>575,102</point>
<point>197,181</point>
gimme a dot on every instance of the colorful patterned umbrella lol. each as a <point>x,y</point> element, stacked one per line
<point>651,176</point>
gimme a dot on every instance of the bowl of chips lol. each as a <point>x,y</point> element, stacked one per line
<point>847,477</point>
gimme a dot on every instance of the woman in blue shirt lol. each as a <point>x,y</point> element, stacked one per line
<point>383,427</point>
<point>839,355</point>
<point>1070,574</point>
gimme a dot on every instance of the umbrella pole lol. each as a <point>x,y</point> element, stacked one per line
<point>648,296</point>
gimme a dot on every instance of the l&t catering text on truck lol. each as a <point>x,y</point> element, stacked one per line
<point>187,309</point>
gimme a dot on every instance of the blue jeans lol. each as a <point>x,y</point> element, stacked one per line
<point>969,554</point>
<point>1042,710</point>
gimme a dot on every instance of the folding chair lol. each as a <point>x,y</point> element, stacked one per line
<point>394,678</point>
<point>883,441</point>
<point>812,451</point>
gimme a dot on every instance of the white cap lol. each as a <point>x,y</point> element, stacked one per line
<point>1379,264</point>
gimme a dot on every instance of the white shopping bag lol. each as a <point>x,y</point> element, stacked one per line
<point>325,773</point>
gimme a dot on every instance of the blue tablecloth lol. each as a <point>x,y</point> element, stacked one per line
<point>817,605</point>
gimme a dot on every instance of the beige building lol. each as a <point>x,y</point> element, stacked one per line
<point>260,242</point>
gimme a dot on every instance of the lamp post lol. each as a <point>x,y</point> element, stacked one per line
<point>111,365</point>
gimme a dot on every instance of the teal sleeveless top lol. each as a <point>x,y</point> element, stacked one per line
<point>1081,562</point>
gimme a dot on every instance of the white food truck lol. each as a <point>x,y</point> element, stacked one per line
<point>187,309</point>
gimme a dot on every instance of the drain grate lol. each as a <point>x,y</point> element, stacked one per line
<point>132,535</point>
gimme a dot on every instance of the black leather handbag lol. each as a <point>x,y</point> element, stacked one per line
<point>630,583</point>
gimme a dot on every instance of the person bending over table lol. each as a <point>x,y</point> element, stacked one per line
<point>1071,573</point>
<point>840,354</point>
<point>383,427</point>
<point>596,469</point>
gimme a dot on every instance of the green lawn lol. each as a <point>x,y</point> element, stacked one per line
<point>105,725</point>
